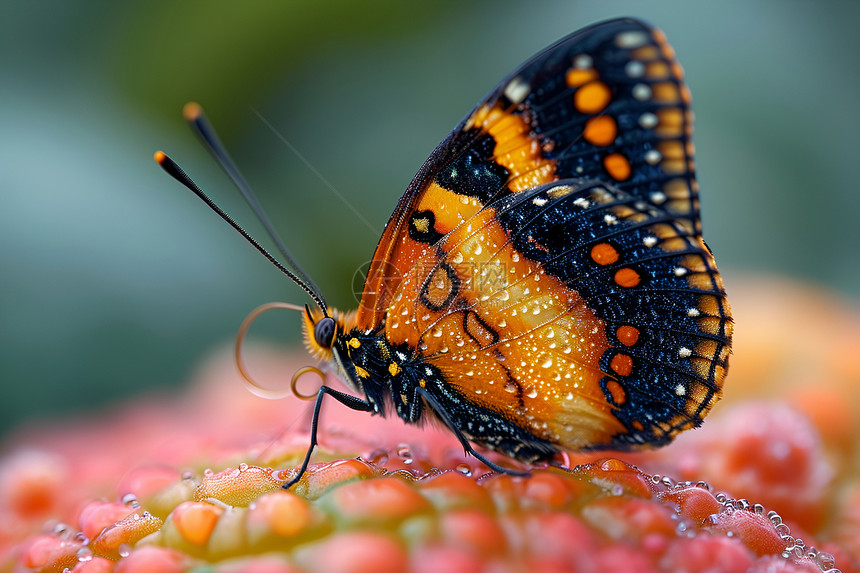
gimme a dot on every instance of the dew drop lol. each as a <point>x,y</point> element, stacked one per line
<point>85,554</point>
<point>379,457</point>
<point>130,500</point>
<point>81,538</point>
<point>243,466</point>
<point>404,452</point>
<point>826,561</point>
<point>464,469</point>
<point>124,550</point>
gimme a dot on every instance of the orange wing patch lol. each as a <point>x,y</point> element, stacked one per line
<point>516,150</point>
<point>511,341</point>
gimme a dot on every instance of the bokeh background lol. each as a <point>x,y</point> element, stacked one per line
<point>114,281</point>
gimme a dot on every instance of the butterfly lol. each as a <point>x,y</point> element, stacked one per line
<point>542,285</point>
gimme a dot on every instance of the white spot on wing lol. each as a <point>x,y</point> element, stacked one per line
<point>634,68</point>
<point>631,39</point>
<point>517,90</point>
<point>657,197</point>
<point>653,157</point>
<point>642,92</point>
<point>583,62</point>
<point>648,120</point>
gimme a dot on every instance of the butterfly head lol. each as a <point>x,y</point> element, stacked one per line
<point>321,331</point>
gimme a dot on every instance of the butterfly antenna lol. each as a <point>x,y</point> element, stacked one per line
<point>177,173</point>
<point>193,114</point>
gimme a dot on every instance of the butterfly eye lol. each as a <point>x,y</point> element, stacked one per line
<point>324,332</point>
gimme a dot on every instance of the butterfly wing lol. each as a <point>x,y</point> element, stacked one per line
<point>546,263</point>
<point>607,102</point>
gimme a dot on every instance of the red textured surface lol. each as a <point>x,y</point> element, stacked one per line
<point>132,490</point>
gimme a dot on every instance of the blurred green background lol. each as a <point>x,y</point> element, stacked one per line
<point>114,280</point>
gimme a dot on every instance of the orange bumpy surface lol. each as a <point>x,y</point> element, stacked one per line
<point>195,482</point>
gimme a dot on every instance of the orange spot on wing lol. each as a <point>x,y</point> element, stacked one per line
<point>577,77</point>
<point>686,96</point>
<point>600,130</point>
<point>479,331</point>
<point>667,50</point>
<point>362,373</point>
<point>627,277</point>
<point>648,52</point>
<point>627,335</point>
<point>617,166</point>
<point>666,92</point>
<point>657,70</point>
<point>616,391</point>
<point>670,122</point>
<point>604,254</point>
<point>592,97</point>
<point>621,364</point>
<point>440,288</point>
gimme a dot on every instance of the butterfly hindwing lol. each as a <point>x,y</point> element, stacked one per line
<point>564,308</point>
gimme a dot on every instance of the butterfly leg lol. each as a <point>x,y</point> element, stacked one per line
<point>347,400</point>
<point>446,419</point>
